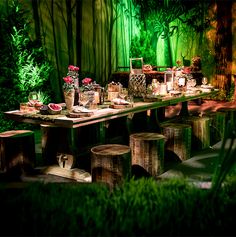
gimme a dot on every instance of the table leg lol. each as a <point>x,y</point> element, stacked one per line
<point>59,145</point>
<point>101,135</point>
<point>184,109</point>
<point>153,120</point>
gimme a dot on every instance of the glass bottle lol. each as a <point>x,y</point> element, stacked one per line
<point>76,85</point>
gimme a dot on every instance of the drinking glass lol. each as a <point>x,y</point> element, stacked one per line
<point>193,82</point>
<point>33,97</point>
<point>204,80</point>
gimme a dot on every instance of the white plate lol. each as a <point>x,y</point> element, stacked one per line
<point>207,86</point>
<point>81,109</point>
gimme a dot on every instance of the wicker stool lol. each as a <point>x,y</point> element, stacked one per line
<point>178,139</point>
<point>147,151</point>
<point>17,152</point>
<point>200,131</point>
<point>217,127</point>
<point>111,164</point>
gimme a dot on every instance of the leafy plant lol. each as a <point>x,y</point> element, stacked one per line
<point>30,74</point>
<point>24,65</point>
<point>43,97</point>
<point>140,47</point>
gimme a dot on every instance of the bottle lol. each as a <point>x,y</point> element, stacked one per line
<point>76,85</point>
<point>155,87</point>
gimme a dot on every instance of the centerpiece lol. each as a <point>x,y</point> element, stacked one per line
<point>70,87</point>
<point>87,93</point>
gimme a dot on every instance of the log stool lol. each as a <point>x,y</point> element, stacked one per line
<point>17,152</point>
<point>217,127</point>
<point>230,119</point>
<point>147,151</point>
<point>178,139</point>
<point>111,164</point>
<point>200,131</point>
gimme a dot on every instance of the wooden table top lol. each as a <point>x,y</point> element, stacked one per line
<point>102,114</point>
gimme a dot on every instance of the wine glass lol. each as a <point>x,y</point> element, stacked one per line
<point>193,82</point>
<point>33,97</point>
<point>204,80</point>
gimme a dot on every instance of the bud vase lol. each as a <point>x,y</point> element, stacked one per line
<point>69,99</point>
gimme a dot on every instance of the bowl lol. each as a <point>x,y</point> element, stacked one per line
<point>54,109</point>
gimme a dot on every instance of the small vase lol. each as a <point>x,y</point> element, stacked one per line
<point>69,99</point>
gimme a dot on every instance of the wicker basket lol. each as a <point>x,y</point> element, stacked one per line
<point>137,80</point>
<point>137,85</point>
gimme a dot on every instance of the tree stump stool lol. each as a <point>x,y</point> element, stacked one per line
<point>147,151</point>
<point>111,164</point>
<point>217,127</point>
<point>230,119</point>
<point>178,140</point>
<point>17,152</point>
<point>200,131</point>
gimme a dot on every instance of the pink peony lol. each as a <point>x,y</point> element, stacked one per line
<point>86,81</point>
<point>68,80</point>
<point>73,68</point>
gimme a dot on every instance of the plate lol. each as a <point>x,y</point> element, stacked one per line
<point>81,109</point>
<point>207,86</point>
<point>79,114</point>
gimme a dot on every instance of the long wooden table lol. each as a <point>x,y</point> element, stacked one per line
<point>65,129</point>
<point>105,114</point>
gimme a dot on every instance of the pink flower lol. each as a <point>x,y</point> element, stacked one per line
<point>73,68</point>
<point>68,80</point>
<point>187,70</point>
<point>86,81</point>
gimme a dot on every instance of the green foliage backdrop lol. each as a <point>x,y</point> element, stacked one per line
<point>98,36</point>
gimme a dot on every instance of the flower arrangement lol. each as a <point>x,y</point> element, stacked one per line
<point>68,83</point>
<point>87,84</point>
<point>71,80</point>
